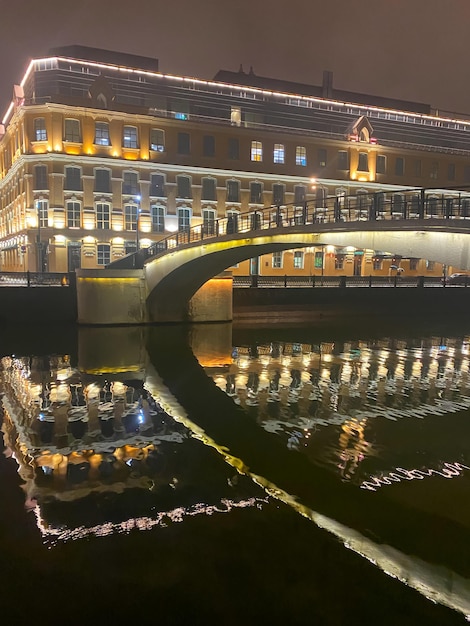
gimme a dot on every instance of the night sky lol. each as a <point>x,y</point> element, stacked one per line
<point>408,49</point>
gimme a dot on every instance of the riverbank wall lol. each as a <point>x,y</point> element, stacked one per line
<point>57,305</point>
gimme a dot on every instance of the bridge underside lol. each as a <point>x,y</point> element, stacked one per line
<point>174,278</point>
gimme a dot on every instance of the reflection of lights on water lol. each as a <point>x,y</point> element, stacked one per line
<point>448,470</point>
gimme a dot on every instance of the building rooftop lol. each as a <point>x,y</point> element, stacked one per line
<point>85,53</point>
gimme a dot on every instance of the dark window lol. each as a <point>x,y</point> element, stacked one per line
<point>466,174</point>
<point>208,217</point>
<point>103,181</point>
<point>434,173</point>
<point>130,185</point>
<point>343,160</point>
<point>184,187</point>
<point>278,194</point>
<point>208,189</point>
<point>40,132</point>
<point>299,194</point>
<point>40,177</point>
<point>157,185</point>
<point>381,164</point>
<point>233,149</point>
<point>418,169</point>
<point>363,165</point>
<point>322,157</point>
<point>399,166</point>
<point>451,171</point>
<point>256,193</point>
<point>184,143</point>
<point>208,146</point>
<point>233,191</point>
<point>73,179</point>
<point>72,131</point>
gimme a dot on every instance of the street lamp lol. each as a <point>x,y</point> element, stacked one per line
<point>39,243</point>
<point>138,198</point>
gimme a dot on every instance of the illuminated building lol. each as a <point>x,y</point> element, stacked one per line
<point>100,153</point>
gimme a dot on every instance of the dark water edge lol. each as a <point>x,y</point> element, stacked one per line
<point>241,568</point>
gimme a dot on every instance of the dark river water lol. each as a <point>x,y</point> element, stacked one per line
<point>220,475</point>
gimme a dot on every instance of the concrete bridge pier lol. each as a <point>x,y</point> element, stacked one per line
<point>121,297</point>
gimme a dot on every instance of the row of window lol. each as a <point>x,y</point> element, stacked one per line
<point>103,210</point>
<point>130,139</point>
<point>130,186</point>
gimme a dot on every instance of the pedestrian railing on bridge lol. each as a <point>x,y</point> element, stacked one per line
<point>340,281</point>
<point>380,207</point>
<point>35,279</point>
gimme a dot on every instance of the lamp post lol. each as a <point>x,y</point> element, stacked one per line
<point>138,198</point>
<point>39,243</point>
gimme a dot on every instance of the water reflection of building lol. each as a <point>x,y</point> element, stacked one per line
<point>321,398</point>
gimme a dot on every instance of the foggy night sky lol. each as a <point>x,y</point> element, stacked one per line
<point>408,49</point>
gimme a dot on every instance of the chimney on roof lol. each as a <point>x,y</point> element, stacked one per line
<point>327,86</point>
<point>240,70</point>
<point>251,71</point>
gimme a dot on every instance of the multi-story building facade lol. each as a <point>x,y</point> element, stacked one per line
<point>100,153</point>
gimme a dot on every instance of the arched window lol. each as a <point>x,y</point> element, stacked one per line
<point>157,213</point>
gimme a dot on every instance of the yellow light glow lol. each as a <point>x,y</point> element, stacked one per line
<point>89,239</point>
<point>59,222</point>
<point>60,238</point>
<point>117,240</point>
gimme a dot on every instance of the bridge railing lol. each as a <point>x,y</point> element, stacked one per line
<point>35,279</point>
<point>266,282</point>
<point>417,204</point>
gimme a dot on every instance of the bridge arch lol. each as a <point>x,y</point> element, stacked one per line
<point>173,277</point>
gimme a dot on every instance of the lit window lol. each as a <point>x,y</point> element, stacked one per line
<point>277,260</point>
<point>158,218</point>
<point>181,116</point>
<point>208,221</point>
<point>157,140</point>
<point>339,261</point>
<point>40,132</point>
<point>72,131</point>
<point>236,116</point>
<point>318,260</point>
<point>256,151</point>
<point>129,137</point>
<point>102,215</point>
<point>73,214</point>
<point>278,153</point>
<point>301,156</point>
<point>322,157</point>
<point>130,217</point>
<point>184,219</point>
<point>298,260</point>
<point>42,207</point>
<point>102,134</point>
<point>103,254</point>
<point>430,266</point>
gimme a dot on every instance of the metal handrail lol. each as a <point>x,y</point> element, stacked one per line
<point>408,205</point>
